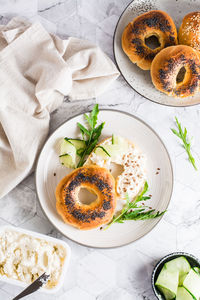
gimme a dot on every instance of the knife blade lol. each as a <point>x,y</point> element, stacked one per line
<point>33,287</point>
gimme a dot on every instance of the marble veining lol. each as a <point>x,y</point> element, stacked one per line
<point>122,273</point>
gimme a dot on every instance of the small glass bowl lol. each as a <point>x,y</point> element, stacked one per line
<point>193,261</point>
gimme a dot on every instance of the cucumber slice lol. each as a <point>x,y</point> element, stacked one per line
<point>104,150</point>
<point>66,160</point>
<point>180,264</point>
<point>114,150</point>
<point>116,139</point>
<point>183,294</point>
<point>121,142</point>
<point>78,144</point>
<point>192,284</point>
<point>182,279</point>
<point>118,147</point>
<point>107,151</point>
<point>168,295</point>
<point>167,283</point>
<point>68,148</point>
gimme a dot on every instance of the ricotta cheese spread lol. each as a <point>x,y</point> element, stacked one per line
<point>24,257</point>
<point>133,176</point>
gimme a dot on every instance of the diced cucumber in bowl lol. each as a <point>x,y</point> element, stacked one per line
<point>192,284</point>
<point>182,265</point>
<point>167,282</point>
<point>167,277</point>
<point>188,285</point>
<point>197,270</point>
<point>169,295</point>
<point>183,294</point>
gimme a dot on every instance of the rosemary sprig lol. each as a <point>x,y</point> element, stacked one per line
<point>182,134</point>
<point>134,211</point>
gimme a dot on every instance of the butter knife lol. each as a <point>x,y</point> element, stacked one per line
<point>33,287</point>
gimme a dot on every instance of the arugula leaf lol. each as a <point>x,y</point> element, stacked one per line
<point>91,147</point>
<point>94,115</point>
<point>83,130</point>
<point>97,130</point>
<point>88,120</point>
<point>91,135</point>
<point>80,151</point>
<point>142,193</point>
<point>182,134</point>
<point>92,118</point>
<point>133,211</point>
<point>142,215</point>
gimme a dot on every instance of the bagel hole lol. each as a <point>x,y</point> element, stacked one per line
<point>152,42</point>
<point>181,74</point>
<point>116,169</point>
<point>86,197</point>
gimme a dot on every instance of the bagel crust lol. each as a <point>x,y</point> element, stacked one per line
<point>189,32</point>
<point>153,23</point>
<point>166,66</point>
<point>86,216</point>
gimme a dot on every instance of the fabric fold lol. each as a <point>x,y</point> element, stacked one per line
<point>36,71</point>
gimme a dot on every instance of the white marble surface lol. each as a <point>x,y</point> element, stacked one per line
<point>123,273</point>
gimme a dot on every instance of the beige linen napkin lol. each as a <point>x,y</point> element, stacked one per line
<point>36,71</point>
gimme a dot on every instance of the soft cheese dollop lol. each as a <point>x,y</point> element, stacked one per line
<point>25,258</point>
<point>132,179</point>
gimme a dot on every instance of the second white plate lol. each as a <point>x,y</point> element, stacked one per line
<point>49,172</point>
<point>138,79</point>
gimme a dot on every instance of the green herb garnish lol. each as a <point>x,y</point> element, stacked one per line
<point>91,135</point>
<point>135,211</point>
<point>182,134</point>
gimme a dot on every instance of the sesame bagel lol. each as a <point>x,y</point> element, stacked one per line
<point>86,216</point>
<point>153,24</point>
<point>189,32</point>
<point>167,66</point>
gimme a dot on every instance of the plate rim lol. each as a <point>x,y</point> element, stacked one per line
<point>170,164</point>
<point>113,43</point>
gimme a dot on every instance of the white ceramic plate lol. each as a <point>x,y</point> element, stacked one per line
<point>138,79</point>
<point>160,185</point>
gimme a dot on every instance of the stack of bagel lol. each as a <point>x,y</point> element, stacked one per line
<point>151,41</point>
